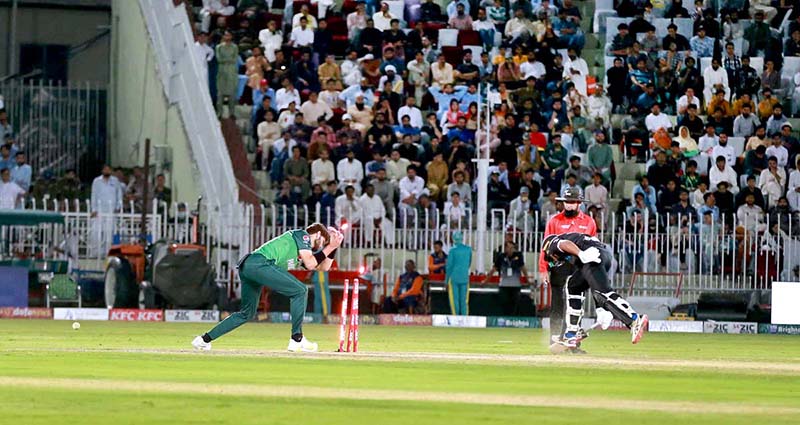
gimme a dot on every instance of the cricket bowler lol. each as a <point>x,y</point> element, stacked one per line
<point>592,261</point>
<point>268,266</point>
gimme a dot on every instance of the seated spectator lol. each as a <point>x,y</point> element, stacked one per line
<point>661,172</point>
<point>437,259</point>
<point>521,211</point>
<point>485,28</point>
<point>431,12</point>
<point>755,161</point>
<point>692,122</point>
<point>374,214</point>
<point>518,29</point>
<point>777,150</point>
<point>460,185</point>
<point>725,150</point>
<point>724,201</point>
<point>698,195</point>
<point>407,291</point>
<point>461,20</point>
<point>330,72</point>
<point>689,76</point>
<point>622,41</point>
<point>411,188</point>
<point>690,179</point>
<point>759,139</point>
<point>771,77</point>
<point>668,198</point>
<point>350,172</point>
<point>751,190</point>
<point>720,122</point>
<point>596,193</point>
<point>285,200</point>
<point>648,192</point>
<point>568,30</point>
<point>772,181</point>
<point>708,141</point>
<point>656,120</point>
<point>297,19</point>
<point>438,174</point>
<point>455,213</point>
<point>719,102</point>
<point>296,171</point>
<point>792,45</point>
<point>767,104</point>
<point>721,172</point>
<point>582,174</point>
<point>303,35</point>
<point>499,194</point>
<point>746,123</point>
<point>686,143</point>
<point>356,22</point>
<point>701,45</point>
<point>676,10</point>
<point>793,188</point>
<point>687,99</point>
<point>750,215</point>
<point>709,205</point>
<point>684,208</point>
<point>758,33</point>
<point>776,120</point>
<point>640,78</point>
<point>348,208</point>
<point>641,206</point>
<point>322,170</point>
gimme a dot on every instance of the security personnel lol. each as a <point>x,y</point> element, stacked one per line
<point>459,260</point>
<point>570,220</point>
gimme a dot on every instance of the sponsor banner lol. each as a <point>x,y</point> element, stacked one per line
<point>25,313</point>
<point>363,319</point>
<point>80,313</point>
<point>765,328</point>
<point>404,320</point>
<point>785,297</point>
<point>194,316</point>
<point>136,315</point>
<point>285,317</point>
<point>512,322</point>
<point>680,326</point>
<point>713,327</point>
<point>458,321</point>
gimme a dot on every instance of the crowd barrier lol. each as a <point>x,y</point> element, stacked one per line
<point>655,255</point>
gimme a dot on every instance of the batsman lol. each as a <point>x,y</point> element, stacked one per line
<point>591,261</point>
<point>268,266</point>
<point>571,219</point>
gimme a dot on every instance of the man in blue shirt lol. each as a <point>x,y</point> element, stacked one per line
<point>21,172</point>
<point>461,132</point>
<point>702,46</point>
<point>444,95</point>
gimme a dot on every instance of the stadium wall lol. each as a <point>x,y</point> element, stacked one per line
<point>59,25</point>
<point>138,108</point>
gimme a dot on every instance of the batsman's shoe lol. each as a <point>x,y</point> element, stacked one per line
<point>201,345</point>
<point>304,346</point>
<point>638,327</point>
<point>564,344</point>
<point>581,335</point>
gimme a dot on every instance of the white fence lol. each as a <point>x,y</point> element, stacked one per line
<point>708,257</point>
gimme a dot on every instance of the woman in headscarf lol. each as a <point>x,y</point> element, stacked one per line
<point>687,144</point>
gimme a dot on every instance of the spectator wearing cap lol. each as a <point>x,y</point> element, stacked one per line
<point>520,211</point>
<point>383,18</point>
<point>260,94</point>
<point>772,181</point>
<point>701,45</point>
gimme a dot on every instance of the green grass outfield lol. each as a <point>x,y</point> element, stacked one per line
<point>144,373</point>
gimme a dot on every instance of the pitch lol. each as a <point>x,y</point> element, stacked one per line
<point>143,373</point>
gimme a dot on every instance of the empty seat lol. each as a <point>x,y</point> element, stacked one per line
<point>469,37</point>
<point>448,37</point>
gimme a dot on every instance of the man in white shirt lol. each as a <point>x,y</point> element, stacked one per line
<point>599,105</point>
<point>778,151</point>
<point>286,95</point>
<point>351,68</point>
<point>688,99</point>
<point>302,36</point>
<point>347,208</point>
<point>214,7</point>
<point>750,215</point>
<point>271,39</point>
<point>410,109</point>
<point>455,213</point>
<point>715,77</point>
<point>721,172</point>
<point>106,200</point>
<point>396,167</point>
<point>723,149</point>
<point>411,188</point>
<point>374,214</point>
<point>532,68</point>
<point>350,171</point>
<point>313,109</point>
<point>656,120</point>
<point>10,192</point>
<point>708,140</point>
<point>772,181</point>
<point>518,27</point>
<point>322,170</point>
<point>576,69</point>
<point>597,194</point>
<point>383,18</point>
<point>205,52</point>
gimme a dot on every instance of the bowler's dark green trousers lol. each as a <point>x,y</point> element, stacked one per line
<point>255,272</point>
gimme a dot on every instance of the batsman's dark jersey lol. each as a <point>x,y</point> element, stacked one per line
<point>555,256</point>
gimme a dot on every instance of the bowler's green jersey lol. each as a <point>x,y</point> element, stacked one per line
<point>284,249</point>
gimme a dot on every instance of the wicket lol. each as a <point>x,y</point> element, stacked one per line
<point>350,332</point>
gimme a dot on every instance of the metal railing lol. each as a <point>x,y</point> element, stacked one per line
<point>722,255</point>
<point>59,126</point>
